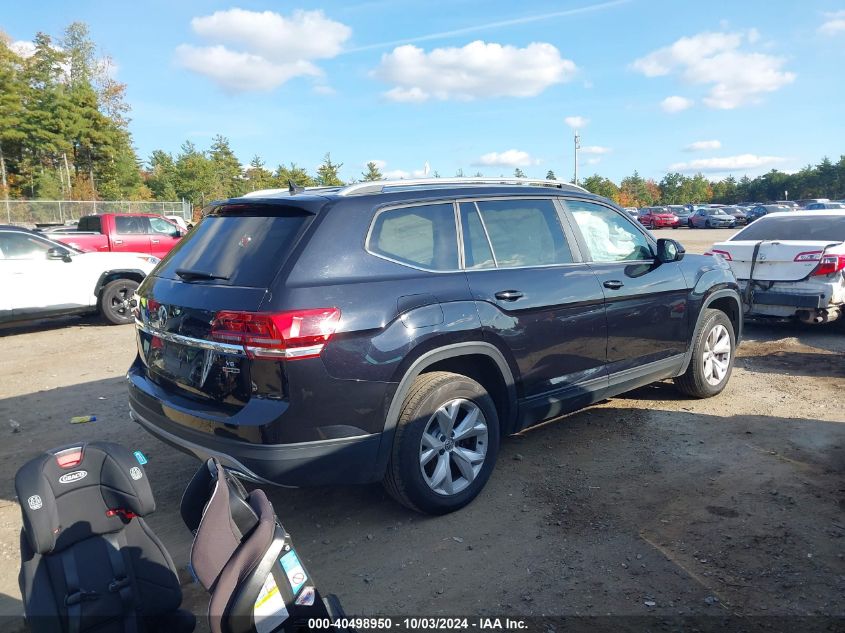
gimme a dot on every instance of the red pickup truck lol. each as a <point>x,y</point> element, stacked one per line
<point>123,232</point>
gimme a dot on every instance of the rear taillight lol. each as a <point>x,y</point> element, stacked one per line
<point>829,264</point>
<point>280,335</point>
<point>809,256</point>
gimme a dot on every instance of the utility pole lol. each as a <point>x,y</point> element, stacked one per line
<point>577,147</point>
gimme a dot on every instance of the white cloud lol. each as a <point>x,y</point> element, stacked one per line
<point>698,146</point>
<point>727,163</point>
<point>260,51</point>
<point>509,158</point>
<point>834,23</point>
<point>477,70</point>
<point>675,104</point>
<point>595,149</point>
<point>576,122</point>
<point>735,75</point>
<point>401,174</point>
<point>23,48</point>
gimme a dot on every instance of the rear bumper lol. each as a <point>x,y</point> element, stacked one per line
<point>321,463</point>
<point>790,299</point>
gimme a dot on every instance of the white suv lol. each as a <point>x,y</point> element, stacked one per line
<point>791,265</point>
<point>42,278</point>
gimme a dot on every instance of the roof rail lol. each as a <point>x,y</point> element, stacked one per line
<point>379,186</point>
<point>274,193</point>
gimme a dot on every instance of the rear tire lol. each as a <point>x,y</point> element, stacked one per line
<point>115,298</point>
<point>713,351</point>
<point>447,439</point>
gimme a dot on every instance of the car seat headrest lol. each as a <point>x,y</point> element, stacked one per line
<point>218,510</point>
<point>70,493</point>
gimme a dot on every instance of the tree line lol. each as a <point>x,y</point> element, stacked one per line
<point>64,135</point>
<point>824,180</point>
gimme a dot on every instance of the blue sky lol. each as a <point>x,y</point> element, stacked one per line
<point>721,86</point>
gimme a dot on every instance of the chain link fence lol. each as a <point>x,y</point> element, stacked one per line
<point>37,212</point>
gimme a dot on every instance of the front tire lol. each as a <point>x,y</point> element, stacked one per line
<point>446,443</point>
<point>115,298</point>
<point>713,351</point>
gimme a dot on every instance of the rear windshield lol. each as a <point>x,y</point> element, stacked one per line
<point>242,249</point>
<point>798,227</point>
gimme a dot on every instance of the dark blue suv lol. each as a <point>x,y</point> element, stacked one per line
<point>396,331</point>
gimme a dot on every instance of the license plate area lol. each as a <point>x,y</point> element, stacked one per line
<point>196,368</point>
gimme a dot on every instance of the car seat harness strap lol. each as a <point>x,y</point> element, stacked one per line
<point>121,584</point>
<point>75,596</point>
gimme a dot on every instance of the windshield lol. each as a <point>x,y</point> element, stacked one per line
<point>800,228</point>
<point>715,212</point>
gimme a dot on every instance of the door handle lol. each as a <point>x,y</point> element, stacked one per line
<point>613,284</point>
<point>509,295</point>
<point>154,241</point>
<point>118,241</point>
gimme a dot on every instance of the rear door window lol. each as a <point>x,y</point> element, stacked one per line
<point>610,237</point>
<point>423,236</point>
<point>523,232</point>
<point>241,249</point>
<point>131,225</point>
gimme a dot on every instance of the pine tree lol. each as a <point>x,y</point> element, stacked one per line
<point>550,175</point>
<point>518,173</point>
<point>373,172</point>
<point>328,172</point>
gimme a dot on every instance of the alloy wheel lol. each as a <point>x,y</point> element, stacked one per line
<point>453,447</point>
<point>121,301</point>
<point>717,355</point>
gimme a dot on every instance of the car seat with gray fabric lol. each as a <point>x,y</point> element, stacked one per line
<point>89,561</point>
<point>244,557</point>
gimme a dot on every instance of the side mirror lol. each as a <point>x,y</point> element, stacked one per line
<point>669,251</point>
<point>59,253</point>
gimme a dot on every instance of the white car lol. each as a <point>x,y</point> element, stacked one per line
<point>790,265</point>
<point>42,278</point>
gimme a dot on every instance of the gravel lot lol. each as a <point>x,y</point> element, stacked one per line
<point>732,505</point>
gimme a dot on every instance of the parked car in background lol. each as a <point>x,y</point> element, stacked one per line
<point>711,218</point>
<point>804,203</point>
<point>396,330</point>
<point>42,278</point>
<point>787,203</point>
<point>634,212</point>
<point>680,212</point>
<point>124,232</point>
<point>739,214</point>
<point>791,265</point>
<point>758,211</point>
<point>658,218</point>
<point>821,206</point>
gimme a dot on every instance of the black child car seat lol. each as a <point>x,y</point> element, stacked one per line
<point>244,557</point>
<point>89,561</point>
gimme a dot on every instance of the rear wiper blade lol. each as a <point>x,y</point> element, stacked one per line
<point>194,275</point>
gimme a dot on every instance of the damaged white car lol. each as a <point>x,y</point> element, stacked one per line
<point>790,265</point>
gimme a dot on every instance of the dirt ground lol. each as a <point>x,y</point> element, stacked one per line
<point>644,504</point>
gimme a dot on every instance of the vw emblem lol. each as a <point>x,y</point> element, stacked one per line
<point>449,444</point>
<point>161,315</point>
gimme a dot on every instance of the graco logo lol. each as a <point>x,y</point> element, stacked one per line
<point>135,473</point>
<point>72,477</point>
<point>34,502</point>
